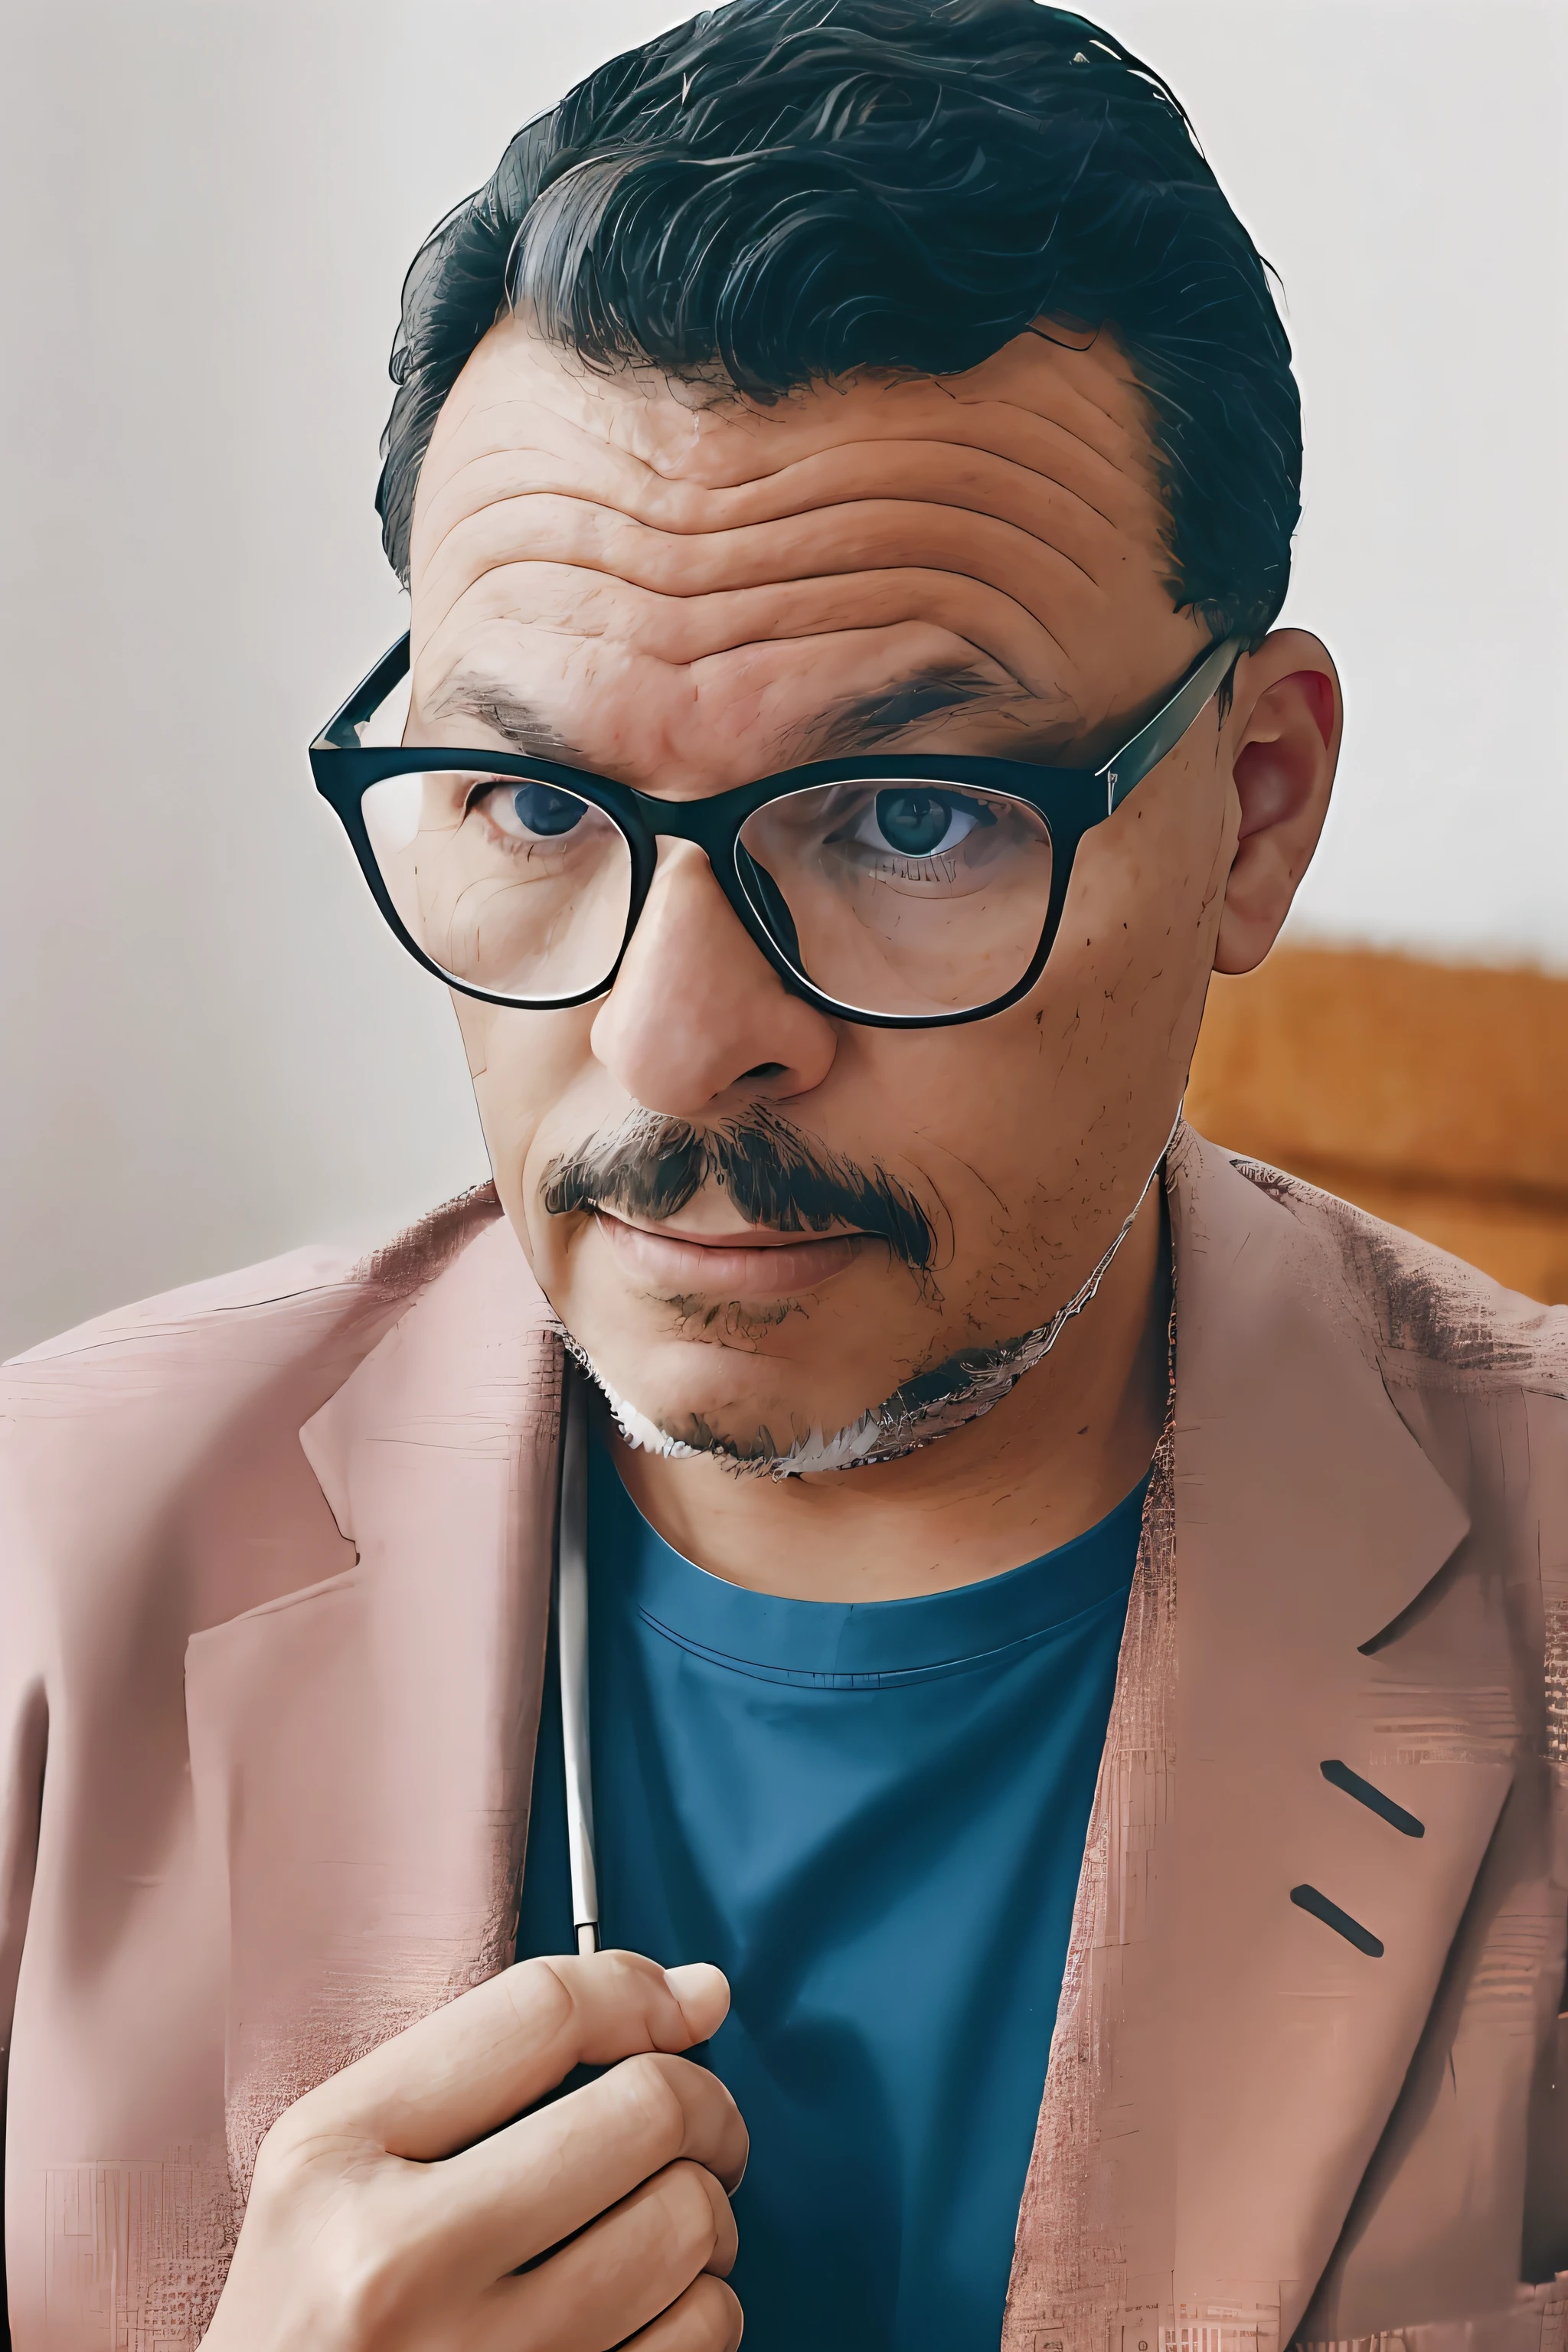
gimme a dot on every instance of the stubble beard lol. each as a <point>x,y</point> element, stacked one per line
<point>932,1404</point>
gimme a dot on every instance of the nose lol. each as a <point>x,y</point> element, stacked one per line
<point>697,1008</point>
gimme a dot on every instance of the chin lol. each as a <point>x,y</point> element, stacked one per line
<point>707,1397</point>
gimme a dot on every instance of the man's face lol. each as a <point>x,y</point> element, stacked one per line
<point>665,584</point>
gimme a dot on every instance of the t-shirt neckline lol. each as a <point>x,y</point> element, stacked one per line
<point>730,1623</point>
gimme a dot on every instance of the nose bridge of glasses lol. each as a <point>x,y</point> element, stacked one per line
<point>711,821</point>
<point>712,825</point>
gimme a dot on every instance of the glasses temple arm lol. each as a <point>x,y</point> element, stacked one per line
<point>341,731</point>
<point>1132,764</point>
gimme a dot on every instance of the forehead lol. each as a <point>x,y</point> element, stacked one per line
<point>1074,415</point>
<point>662,568</point>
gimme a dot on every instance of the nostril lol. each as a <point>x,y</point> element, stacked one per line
<point>765,1070</point>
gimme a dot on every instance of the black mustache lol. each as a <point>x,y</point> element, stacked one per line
<point>652,1166</point>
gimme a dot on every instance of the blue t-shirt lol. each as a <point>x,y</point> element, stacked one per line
<point>871,1817</point>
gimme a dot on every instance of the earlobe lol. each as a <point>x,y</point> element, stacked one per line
<point>1287,745</point>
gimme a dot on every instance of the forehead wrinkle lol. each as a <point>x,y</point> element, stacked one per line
<point>1032,389</point>
<point>1081,398</point>
<point>589,635</point>
<point>1079,381</point>
<point>468,555</point>
<point>912,408</point>
<point>732,609</point>
<point>969,414</point>
<point>824,432</point>
<point>648,563</point>
<point>498,481</point>
<point>787,486</point>
<point>892,536</point>
<point>794,488</point>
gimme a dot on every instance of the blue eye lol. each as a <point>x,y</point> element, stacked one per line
<point>913,820</point>
<point>540,808</point>
<point>918,820</point>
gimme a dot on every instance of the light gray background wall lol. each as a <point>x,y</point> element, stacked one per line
<point>210,1051</point>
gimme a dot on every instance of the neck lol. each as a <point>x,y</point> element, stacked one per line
<point>1075,1436</point>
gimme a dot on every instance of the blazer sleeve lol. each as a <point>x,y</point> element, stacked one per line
<point>1546,2177</point>
<point>24,1740</point>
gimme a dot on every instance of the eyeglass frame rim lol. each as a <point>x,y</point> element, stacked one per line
<point>344,769</point>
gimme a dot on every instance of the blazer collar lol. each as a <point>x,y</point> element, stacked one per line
<point>362,1749</point>
<point>1224,2062</point>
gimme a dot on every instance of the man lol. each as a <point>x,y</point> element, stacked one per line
<point>1053,1695</point>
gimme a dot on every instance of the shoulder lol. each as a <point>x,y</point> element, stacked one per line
<point>260,1313</point>
<point>1429,1315</point>
<point>182,1412</point>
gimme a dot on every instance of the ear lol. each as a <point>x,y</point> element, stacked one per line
<point>1284,728</point>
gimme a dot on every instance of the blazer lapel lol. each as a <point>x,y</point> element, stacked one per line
<point>362,1749</point>
<point>1224,2057</point>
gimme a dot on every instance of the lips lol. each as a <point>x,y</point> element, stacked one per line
<point>765,1265</point>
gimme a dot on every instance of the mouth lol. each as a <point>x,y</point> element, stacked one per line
<point>760,1262</point>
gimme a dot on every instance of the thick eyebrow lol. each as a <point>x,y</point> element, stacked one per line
<point>864,721</point>
<point>519,725</point>
<point>859,724</point>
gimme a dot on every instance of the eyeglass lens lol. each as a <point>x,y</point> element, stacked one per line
<point>893,897</point>
<point>898,897</point>
<point>510,886</point>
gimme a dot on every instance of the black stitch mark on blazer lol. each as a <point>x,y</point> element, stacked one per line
<point>1340,1776</point>
<point>1307,1898</point>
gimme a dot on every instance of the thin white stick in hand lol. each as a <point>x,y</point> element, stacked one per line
<point>572,1633</point>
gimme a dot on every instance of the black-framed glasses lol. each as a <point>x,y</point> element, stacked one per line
<point>907,892</point>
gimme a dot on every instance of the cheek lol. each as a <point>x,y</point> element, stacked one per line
<point>1145,900</point>
<point>474,1021</point>
<point>526,1069</point>
<point>1048,1114</point>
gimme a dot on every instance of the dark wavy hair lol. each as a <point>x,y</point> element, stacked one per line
<point>785,190</point>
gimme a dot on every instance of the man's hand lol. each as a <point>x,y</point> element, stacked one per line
<point>392,2205</point>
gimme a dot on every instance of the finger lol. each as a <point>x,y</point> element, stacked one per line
<point>628,2268</point>
<point>707,2318</point>
<point>475,2065</point>
<point>536,2183</point>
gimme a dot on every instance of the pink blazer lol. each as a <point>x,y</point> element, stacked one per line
<point>274,1587</point>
